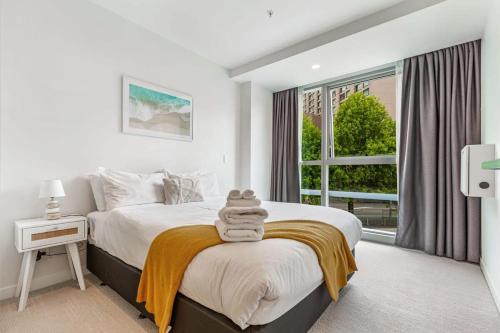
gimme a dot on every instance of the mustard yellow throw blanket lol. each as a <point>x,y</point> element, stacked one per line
<point>172,251</point>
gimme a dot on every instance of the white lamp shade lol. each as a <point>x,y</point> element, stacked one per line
<point>51,189</point>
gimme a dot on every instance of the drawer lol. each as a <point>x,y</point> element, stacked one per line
<point>53,234</point>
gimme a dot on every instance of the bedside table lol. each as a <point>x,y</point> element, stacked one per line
<point>35,234</point>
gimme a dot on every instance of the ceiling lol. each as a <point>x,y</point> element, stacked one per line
<point>445,24</point>
<point>342,36</point>
<point>234,32</point>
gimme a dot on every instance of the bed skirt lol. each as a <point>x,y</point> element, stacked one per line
<point>189,316</point>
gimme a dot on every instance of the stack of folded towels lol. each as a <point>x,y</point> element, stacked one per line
<point>242,219</point>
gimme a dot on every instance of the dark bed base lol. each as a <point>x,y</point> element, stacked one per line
<point>189,316</point>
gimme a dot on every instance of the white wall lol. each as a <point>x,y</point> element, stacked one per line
<point>256,105</point>
<point>61,64</point>
<point>245,134</point>
<point>490,233</point>
<point>261,140</point>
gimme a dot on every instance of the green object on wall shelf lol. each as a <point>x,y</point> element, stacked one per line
<point>491,165</point>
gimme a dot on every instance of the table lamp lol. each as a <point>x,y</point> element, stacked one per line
<point>52,189</point>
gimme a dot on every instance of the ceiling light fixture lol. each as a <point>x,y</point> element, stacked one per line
<point>315,66</point>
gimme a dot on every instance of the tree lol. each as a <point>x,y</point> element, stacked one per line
<point>361,127</point>
<point>311,140</point>
<point>311,151</point>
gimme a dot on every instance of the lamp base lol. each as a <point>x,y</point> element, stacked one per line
<point>53,211</point>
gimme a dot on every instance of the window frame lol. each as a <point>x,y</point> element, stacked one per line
<point>327,138</point>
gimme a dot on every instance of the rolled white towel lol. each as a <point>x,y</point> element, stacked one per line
<point>236,215</point>
<point>234,195</point>
<point>248,195</point>
<point>229,234</point>
<point>243,203</point>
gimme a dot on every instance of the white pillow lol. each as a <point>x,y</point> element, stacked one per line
<point>181,190</point>
<point>98,191</point>
<point>126,189</point>
<point>209,183</point>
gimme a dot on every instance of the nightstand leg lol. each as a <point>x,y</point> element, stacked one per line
<point>21,275</point>
<point>71,269</point>
<point>75,256</point>
<point>27,277</point>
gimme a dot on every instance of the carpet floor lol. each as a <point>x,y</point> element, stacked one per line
<point>395,290</point>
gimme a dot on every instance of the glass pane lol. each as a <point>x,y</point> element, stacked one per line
<point>367,191</point>
<point>363,178</point>
<point>310,184</point>
<point>364,118</point>
<point>374,214</point>
<point>311,125</point>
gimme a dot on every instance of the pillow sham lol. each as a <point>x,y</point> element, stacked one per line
<point>126,189</point>
<point>97,191</point>
<point>179,190</point>
<point>209,184</point>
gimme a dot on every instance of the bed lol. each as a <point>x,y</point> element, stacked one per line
<point>270,286</point>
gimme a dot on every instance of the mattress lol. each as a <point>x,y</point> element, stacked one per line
<point>251,283</point>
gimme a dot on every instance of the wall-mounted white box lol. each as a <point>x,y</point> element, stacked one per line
<point>474,180</point>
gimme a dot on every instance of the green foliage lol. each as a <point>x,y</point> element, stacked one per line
<point>311,177</point>
<point>311,140</point>
<point>363,178</point>
<point>311,151</point>
<point>311,200</point>
<point>362,127</point>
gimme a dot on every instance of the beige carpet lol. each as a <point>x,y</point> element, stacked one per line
<point>395,290</point>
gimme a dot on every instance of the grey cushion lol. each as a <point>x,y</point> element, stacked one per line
<point>181,190</point>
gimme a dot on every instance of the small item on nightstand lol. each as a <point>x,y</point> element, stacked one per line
<point>52,189</point>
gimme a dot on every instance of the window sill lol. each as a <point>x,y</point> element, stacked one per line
<point>379,236</point>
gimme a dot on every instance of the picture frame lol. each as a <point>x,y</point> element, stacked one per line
<point>155,111</point>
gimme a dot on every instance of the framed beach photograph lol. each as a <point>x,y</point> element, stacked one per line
<point>152,110</point>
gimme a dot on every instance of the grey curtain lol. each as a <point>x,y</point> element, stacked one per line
<point>440,114</point>
<point>285,183</point>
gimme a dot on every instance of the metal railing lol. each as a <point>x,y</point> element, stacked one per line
<point>353,195</point>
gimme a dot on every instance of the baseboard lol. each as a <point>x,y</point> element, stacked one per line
<point>37,283</point>
<point>489,282</point>
<point>43,281</point>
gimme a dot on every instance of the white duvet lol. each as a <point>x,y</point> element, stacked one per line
<point>250,283</point>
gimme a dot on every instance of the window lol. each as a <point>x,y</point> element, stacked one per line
<point>312,120</point>
<point>351,164</point>
<point>365,125</point>
<point>311,180</point>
